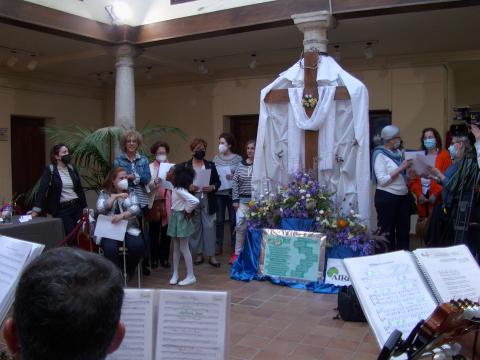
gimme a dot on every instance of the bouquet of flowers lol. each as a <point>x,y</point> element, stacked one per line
<point>346,230</point>
<point>305,198</point>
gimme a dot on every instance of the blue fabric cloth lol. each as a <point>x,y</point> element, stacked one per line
<point>245,268</point>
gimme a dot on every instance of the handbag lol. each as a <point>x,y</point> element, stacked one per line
<point>158,210</point>
<point>349,307</point>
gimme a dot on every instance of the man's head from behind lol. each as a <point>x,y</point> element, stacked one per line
<point>67,306</point>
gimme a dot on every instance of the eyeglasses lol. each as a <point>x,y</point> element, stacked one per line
<point>131,141</point>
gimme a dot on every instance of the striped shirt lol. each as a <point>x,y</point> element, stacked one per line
<point>242,182</point>
<point>233,162</point>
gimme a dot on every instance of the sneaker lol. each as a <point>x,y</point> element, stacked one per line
<point>174,279</point>
<point>233,259</point>
<point>188,281</point>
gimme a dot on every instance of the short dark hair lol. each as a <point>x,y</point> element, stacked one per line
<point>154,147</point>
<point>183,176</point>
<point>67,306</point>
<point>435,132</point>
<point>55,150</point>
<point>228,138</point>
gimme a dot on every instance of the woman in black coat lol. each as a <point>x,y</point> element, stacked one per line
<point>60,193</point>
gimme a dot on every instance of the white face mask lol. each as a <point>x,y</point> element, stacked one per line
<point>222,148</point>
<point>123,184</point>
<point>161,157</point>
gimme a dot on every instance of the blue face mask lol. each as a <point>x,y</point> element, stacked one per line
<point>429,143</point>
<point>396,144</point>
<point>453,151</point>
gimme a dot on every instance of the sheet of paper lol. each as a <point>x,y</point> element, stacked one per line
<point>163,169</point>
<point>411,155</point>
<point>138,317</point>
<point>192,325</point>
<point>14,256</point>
<point>336,273</point>
<point>223,171</point>
<point>24,218</point>
<point>202,178</point>
<point>105,228</point>
<point>392,292</point>
<point>453,272</point>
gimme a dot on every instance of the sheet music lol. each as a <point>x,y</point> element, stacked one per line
<point>138,317</point>
<point>392,292</point>
<point>192,325</point>
<point>223,171</point>
<point>105,228</point>
<point>453,271</point>
<point>202,177</point>
<point>14,256</point>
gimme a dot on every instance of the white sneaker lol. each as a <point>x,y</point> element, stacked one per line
<point>174,279</point>
<point>188,281</point>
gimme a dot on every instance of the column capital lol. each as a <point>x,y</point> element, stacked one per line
<point>314,26</point>
<point>125,54</point>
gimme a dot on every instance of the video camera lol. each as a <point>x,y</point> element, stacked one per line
<point>466,115</point>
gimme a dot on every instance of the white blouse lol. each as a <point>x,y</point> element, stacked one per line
<point>182,200</point>
<point>383,167</point>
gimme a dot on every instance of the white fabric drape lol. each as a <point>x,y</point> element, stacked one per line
<point>280,148</point>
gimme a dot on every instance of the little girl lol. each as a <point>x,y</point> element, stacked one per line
<point>180,225</point>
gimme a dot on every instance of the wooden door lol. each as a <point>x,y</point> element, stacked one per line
<point>244,128</point>
<point>28,154</point>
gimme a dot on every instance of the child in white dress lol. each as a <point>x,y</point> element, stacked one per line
<point>180,224</point>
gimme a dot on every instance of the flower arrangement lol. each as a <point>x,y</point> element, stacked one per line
<point>309,101</point>
<point>305,198</point>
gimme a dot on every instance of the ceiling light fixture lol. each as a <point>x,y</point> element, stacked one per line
<point>368,50</point>
<point>119,12</point>
<point>13,59</point>
<point>32,64</point>
<point>253,63</point>
<point>202,68</point>
<point>336,53</point>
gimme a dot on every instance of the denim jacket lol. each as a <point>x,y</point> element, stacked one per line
<point>142,171</point>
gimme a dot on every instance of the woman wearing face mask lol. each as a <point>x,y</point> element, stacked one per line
<point>460,198</point>
<point>138,176</point>
<point>202,242</point>
<point>392,200</point>
<point>230,161</point>
<point>160,241</point>
<point>116,201</point>
<point>428,191</point>
<point>60,192</point>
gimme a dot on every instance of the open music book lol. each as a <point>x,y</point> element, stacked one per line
<point>15,255</point>
<point>396,290</point>
<point>174,324</point>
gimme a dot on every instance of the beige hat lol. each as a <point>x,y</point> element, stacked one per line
<point>389,132</point>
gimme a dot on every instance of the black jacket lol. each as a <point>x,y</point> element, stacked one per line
<point>214,180</point>
<point>50,190</point>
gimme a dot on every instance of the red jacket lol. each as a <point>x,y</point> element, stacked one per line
<point>442,162</point>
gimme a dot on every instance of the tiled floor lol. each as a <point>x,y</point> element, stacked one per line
<point>274,322</point>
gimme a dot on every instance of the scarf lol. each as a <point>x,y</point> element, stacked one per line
<point>395,156</point>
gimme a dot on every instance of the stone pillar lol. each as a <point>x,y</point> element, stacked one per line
<point>314,26</point>
<point>125,86</point>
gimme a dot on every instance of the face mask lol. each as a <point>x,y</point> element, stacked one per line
<point>66,159</point>
<point>453,151</point>
<point>429,143</point>
<point>161,157</point>
<point>222,148</point>
<point>123,184</point>
<point>396,144</point>
<point>199,154</point>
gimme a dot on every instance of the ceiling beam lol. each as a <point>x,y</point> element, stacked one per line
<point>246,18</point>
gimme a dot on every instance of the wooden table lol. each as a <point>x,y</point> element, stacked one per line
<point>42,230</point>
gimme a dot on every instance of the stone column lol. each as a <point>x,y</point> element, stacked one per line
<point>125,86</point>
<point>314,26</point>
